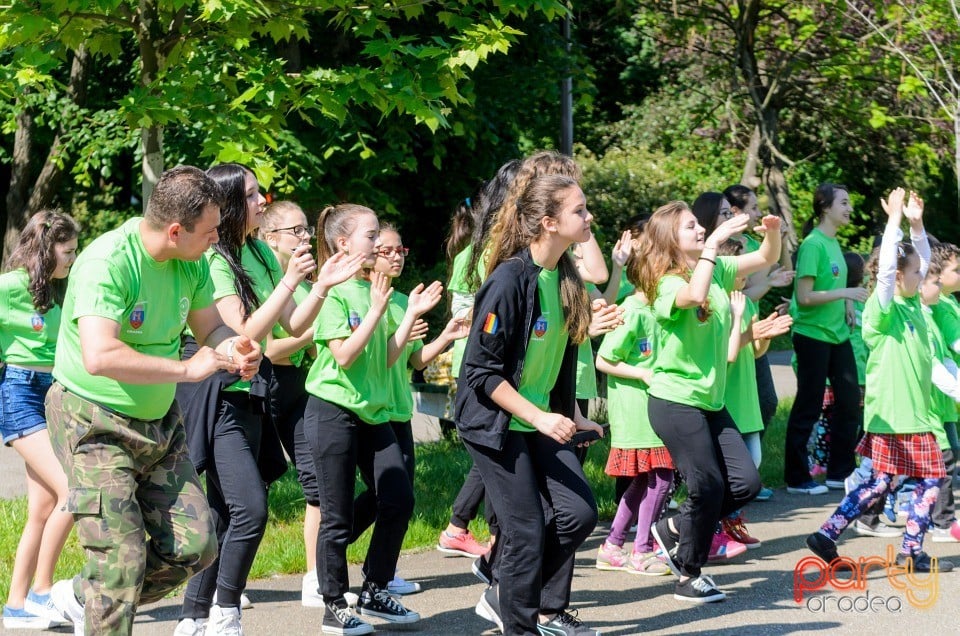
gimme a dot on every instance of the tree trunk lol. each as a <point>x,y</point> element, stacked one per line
<point>151,137</point>
<point>775,182</point>
<point>51,175</point>
<point>23,150</point>
<point>956,150</point>
<point>749,176</point>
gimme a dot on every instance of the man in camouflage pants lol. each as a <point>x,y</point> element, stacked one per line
<point>141,514</point>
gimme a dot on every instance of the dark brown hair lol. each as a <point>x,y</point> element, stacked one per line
<point>35,252</point>
<point>180,196</point>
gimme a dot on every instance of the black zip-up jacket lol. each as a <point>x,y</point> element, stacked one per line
<point>508,299</point>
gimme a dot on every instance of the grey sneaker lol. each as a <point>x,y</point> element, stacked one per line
<point>880,530</point>
<point>566,624</point>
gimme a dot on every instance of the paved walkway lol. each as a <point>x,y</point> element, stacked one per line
<point>760,587</point>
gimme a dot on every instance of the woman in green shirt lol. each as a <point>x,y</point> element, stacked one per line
<point>30,298</point>
<point>689,286</point>
<point>823,317</point>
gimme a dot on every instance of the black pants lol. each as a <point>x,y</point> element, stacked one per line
<point>721,477</point>
<point>341,443</point>
<point>766,390</point>
<point>238,504</point>
<point>817,361</point>
<point>546,510</point>
<point>365,505</point>
<point>288,399</point>
<point>467,503</point>
<point>944,511</point>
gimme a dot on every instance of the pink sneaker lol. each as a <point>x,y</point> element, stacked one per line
<point>725,547</point>
<point>463,544</point>
<point>737,530</point>
<point>611,557</point>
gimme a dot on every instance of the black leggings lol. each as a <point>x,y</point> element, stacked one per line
<point>817,361</point>
<point>546,510</point>
<point>365,505</point>
<point>238,504</point>
<point>341,444</point>
<point>288,398</point>
<point>721,477</point>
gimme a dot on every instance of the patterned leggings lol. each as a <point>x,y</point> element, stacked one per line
<point>868,493</point>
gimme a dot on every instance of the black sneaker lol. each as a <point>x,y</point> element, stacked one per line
<point>482,570</point>
<point>566,624</point>
<point>701,589</point>
<point>923,563</point>
<point>376,601</point>
<point>667,540</point>
<point>489,607</point>
<point>825,548</point>
<point>338,619</point>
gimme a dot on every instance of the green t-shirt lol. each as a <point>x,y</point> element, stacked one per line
<point>691,367</point>
<point>635,342</point>
<point>944,409</point>
<point>458,283</point>
<point>821,258</point>
<point>586,369</point>
<point>27,337</point>
<point>946,313</point>
<point>860,352</point>
<point>544,354</point>
<point>750,244</point>
<point>741,397</point>
<point>401,398</point>
<point>299,295</point>
<point>115,278</point>
<point>626,287</point>
<point>259,271</point>
<point>363,389</point>
<point>899,368</point>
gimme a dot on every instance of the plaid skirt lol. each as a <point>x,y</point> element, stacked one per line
<point>630,462</point>
<point>914,455</point>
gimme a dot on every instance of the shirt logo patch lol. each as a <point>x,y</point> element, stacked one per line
<point>835,270</point>
<point>36,321</point>
<point>353,319</point>
<point>491,324</point>
<point>645,347</point>
<point>137,316</point>
<point>540,327</point>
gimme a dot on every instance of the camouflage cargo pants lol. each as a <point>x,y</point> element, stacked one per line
<point>140,511</point>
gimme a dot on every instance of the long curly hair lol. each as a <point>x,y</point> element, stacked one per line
<point>659,254</point>
<point>231,177</point>
<point>35,253</point>
<point>543,197</point>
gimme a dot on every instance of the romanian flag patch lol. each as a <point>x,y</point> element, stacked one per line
<point>491,324</point>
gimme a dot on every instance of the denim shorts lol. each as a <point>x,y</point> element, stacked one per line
<point>22,393</point>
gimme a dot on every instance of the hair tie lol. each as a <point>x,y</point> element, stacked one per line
<point>467,201</point>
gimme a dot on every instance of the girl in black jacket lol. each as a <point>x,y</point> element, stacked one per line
<point>516,410</point>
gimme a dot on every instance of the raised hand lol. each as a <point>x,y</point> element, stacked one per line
<point>914,208</point>
<point>380,291</point>
<point>893,204</point>
<point>423,299</point>
<point>456,328</point>
<point>771,326</point>
<point>738,302</point>
<point>300,265</point>
<point>419,330</point>
<point>769,223</point>
<point>337,269</point>
<point>623,249</point>
<point>731,227</point>
<point>604,318</point>
<point>780,277</point>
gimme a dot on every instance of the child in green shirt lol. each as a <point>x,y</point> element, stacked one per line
<point>899,436</point>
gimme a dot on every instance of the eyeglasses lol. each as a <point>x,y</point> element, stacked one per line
<point>387,252</point>
<point>300,231</point>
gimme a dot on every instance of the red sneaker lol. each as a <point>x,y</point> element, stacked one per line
<point>463,544</point>
<point>737,530</point>
<point>725,547</point>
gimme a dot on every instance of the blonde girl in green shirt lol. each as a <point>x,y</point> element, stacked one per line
<point>688,285</point>
<point>898,421</point>
<point>30,297</point>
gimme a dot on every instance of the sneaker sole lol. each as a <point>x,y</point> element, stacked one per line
<point>48,613</point>
<point>713,598</point>
<point>405,591</point>
<point>34,622</point>
<point>484,611</point>
<point>946,539</point>
<point>457,552</point>
<point>802,491</point>
<point>477,572</point>
<point>880,535</point>
<point>63,599</point>
<point>606,567</point>
<point>366,628</point>
<point>674,567</point>
<point>410,617</point>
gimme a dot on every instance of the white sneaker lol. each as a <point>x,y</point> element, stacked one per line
<point>310,597</point>
<point>67,604</point>
<point>224,621</point>
<point>400,586</point>
<point>190,627</point>
<point>245,602</point>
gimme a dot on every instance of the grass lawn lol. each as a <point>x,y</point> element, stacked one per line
<point>441,467</point>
